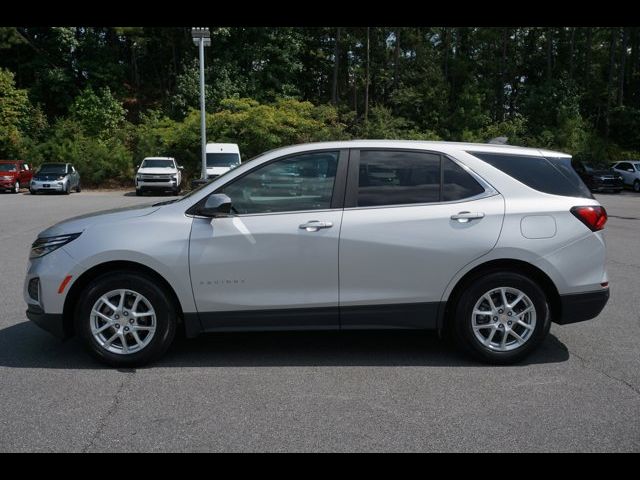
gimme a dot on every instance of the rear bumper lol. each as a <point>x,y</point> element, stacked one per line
<point>582,306</point>
<point>51,322</point>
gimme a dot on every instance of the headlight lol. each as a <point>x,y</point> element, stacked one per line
<point>61,177</point>
<point>4,177</point>
<point>45,245</point>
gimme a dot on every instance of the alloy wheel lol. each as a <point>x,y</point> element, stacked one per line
<point>123,321</point>
<point>503,319</point>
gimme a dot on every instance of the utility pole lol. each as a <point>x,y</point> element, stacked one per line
<point>202,38</point>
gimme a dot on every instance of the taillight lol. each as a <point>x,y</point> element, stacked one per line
<point>592,217</point>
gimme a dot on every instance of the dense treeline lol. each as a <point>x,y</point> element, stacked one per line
<point>105,97</point>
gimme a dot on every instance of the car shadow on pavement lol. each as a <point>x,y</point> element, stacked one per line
<point>150,195</point>
<point>25,346</point>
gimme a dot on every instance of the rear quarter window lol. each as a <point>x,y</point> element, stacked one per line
<point>553,175</point>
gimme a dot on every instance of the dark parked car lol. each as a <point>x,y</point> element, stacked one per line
<point>599,178</point>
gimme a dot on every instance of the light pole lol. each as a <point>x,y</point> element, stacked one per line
<point>202,38</point>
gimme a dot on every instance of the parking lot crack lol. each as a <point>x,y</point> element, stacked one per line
<point>117,400</point>
<point>587,365</point>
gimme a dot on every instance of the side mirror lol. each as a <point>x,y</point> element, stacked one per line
<point>138,166</point>
<point>180,167</point>
<point>217,205</point>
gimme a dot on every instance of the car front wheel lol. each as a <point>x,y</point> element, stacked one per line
<point>126,319</point>
<point>501,318</point>
<point>636,186</point>
<point>16,187</point>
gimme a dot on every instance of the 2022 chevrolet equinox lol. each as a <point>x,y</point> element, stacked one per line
<point>488,243</point>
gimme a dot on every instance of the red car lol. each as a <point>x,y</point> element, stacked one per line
<point>14,174</point>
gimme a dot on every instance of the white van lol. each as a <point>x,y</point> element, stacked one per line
<point>221,157</point>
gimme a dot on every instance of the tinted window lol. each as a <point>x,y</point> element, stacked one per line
<point>157,163</point>
<point>396,178</point>
<point>549,175</point>
<point>456,183</point>
<point>624,166</point>
<point>301,182</point>
<point>53,168</point>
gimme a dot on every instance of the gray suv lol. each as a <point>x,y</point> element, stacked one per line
<point>489,243</point>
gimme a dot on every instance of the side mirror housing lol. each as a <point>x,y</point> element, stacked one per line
<point>217,205</point>
<point>180,167</point>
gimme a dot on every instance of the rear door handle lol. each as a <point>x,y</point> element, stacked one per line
<point>464,217</point>
<point>315,225</point>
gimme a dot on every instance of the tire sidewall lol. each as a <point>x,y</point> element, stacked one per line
<point>636,186</point>
<point>463,331</point>
<point>165,317</point>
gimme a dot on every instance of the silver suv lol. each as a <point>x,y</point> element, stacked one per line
<point>487,243</point>
<point>630,172</point>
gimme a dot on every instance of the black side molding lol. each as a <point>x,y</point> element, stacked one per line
<point>582,306</point>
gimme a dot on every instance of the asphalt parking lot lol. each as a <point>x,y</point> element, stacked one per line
<point>355,391</point>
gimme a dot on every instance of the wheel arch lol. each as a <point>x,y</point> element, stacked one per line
<point>94,272</point>
<point>502,265</point>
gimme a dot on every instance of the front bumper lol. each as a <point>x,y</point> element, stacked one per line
<point>51,322</point>
<point>606,185</point>
<point>582,306</point>
<point>160,184</point>
<point>48,185</point>
<point>7,184</point>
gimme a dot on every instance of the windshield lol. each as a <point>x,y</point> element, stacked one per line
<point>7,167</point>
<point>59,168</point>
<point>157,163</point>
<point>222,159</point>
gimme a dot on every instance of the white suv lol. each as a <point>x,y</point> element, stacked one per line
<point>489,243</point>
<point>630,171</point>
<point>158,174</point>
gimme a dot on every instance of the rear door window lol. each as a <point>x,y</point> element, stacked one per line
<point>457,184</point>
<point>553,175</point>
<point>393,177</point>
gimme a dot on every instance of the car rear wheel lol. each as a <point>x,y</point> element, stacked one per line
<point>501,318</point>
<point>126,319</point>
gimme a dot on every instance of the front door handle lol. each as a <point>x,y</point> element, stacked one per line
<point>315,225</point>
<point>464,217</point>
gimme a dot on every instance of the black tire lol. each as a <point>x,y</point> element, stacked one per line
<point>176,191</point>
<point>78,188</point>
<point>636,186</point>
<point>165,309</point>
<point>32,191</point>
<point>461,323</point>
<point>138,192</point>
